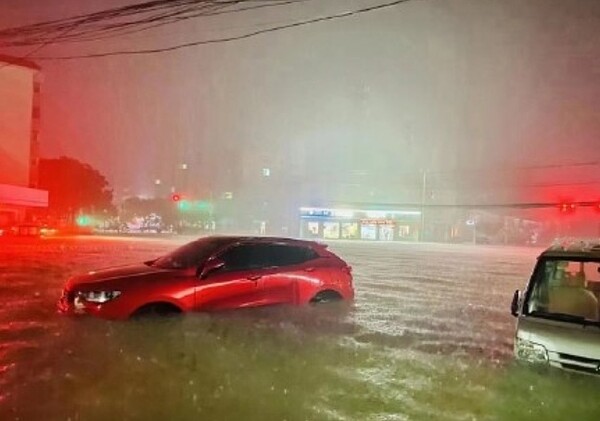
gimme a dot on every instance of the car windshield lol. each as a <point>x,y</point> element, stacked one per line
<point>566,290</point>
<point>190,255</point>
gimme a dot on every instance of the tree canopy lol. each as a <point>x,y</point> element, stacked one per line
<point>74,187</point>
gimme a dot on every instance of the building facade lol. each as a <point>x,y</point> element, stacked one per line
<point>335,223</point>
<point>19,140</point>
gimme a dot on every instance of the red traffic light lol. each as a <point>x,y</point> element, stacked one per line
<point>175,197</point>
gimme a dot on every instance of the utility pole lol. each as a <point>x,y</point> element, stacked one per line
<point>423,199</point>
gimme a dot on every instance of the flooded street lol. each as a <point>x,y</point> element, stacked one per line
<point>428,337</point>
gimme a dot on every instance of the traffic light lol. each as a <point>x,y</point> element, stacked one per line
<point>83,220</point>
<point>194,205</point>
<point>203,205</point>
<point>175,197</point>
<point>183,205</point>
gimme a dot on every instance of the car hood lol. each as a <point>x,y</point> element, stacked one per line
<point>131,272</point>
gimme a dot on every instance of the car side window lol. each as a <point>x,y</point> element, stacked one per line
<point>282,255</point>
<point>247,256</point>
<point>260,256</point>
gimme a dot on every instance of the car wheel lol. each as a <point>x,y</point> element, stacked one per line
<point>326,297</point>
<point>156,310</point>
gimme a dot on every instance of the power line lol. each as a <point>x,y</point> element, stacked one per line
<point>90,24</point>
<point>153,13</point>
<point>145,26</point>
<point>508,205</point>
<point>127,10</point>
<point>228,39</point>
<point>42,45</point>
<point>509,169</point>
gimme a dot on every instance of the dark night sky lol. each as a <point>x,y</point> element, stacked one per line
<point>442,85</point>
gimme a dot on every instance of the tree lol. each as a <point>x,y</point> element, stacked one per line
<point>74,187</point>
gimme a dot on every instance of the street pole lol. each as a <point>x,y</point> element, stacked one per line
<point>423,199</point>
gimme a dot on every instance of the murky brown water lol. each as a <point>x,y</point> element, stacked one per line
<point>429,337</point>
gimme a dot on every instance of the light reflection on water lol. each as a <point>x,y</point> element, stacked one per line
<point>422,341</point>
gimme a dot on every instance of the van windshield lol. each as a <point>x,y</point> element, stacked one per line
<point>566,290</point>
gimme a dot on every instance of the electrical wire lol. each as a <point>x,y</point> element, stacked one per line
<point>112,20</point>
<point>336,16</point>
<point>508,205</point>
<point>120,32</point>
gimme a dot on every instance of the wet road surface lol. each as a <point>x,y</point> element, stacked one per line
<point>428,337</point>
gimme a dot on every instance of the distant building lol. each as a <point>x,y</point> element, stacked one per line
<point>380,223</point>
<point>19,144</point>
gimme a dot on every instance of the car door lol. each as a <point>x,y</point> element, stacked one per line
<point>238,284</point>
<point>289,272</point>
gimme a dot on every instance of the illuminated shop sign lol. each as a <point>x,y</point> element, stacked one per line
<point>316,212</point>
<point>377,222</point>
<point>308,212</point>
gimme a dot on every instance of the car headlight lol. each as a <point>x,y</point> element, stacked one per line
<point>98,296</point>
<point>531,352</point>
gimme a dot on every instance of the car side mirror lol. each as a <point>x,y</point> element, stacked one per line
<point>514,306</point>
<point>211,266</point>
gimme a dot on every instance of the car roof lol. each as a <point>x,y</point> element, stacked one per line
<point>573,248</point>
<point>269,240</point>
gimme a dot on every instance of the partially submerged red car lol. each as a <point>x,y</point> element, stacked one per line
<point>213,273</point>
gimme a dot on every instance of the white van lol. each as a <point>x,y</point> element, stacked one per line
<point>558,321</point>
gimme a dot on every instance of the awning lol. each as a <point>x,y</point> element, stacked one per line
<point>23,196</point>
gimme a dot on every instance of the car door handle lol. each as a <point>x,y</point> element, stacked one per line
<point>311,269</point>
<point>254,277</point>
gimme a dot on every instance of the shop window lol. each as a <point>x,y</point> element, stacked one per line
<point>331,230</point>
<point>349,230</point>
<point>386,232</point>
<point>368,232</point>
<point>313,229</point>
<point>404,231</point>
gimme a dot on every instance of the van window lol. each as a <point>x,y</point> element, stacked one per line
<point>566,289</point>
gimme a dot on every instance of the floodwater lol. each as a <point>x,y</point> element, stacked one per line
<point>428,337</point>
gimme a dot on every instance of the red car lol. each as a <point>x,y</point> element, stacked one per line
<point>213,273</point>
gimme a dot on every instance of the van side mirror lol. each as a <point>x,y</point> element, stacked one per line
<point>211,266</point>
<point>514,306</point>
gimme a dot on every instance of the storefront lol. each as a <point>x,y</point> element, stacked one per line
<point>359,224</point>
<point>16,200</point>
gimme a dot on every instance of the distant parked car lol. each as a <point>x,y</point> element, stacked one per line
<point>24,230</point>
<point>213,273</point>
